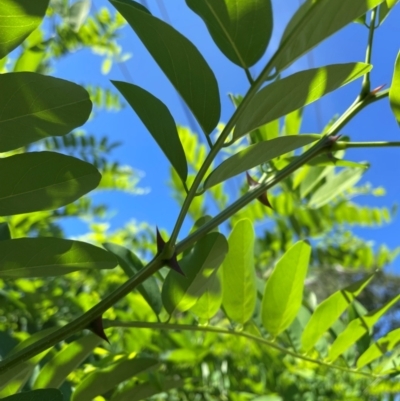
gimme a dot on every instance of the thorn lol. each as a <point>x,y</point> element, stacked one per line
<point>171,263</point>
<point>96,327</point>
<point>376,90</point>
<point>174,265</point>
<point>253,184</point>
<point>334,138</point>
<point>160,241</point>
<point>251,181</point>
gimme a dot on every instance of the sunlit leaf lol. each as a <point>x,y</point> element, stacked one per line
<point>394,92</point>
<point>335,186</point>
<point>312,179</point>
<point>159,122</point>
<point>78,13</point>
<point>102,380</point>
<point>329,311</point>
<point>356,329</point>
<point>179,59</point>
<point>35,106</point>
<point>50,394</point>
<point>38,181</point>
<point>55,371</point>
<point>238,273</point>
<point>295,91</point>
<point>315,21</point>
<point>180,293</point>
<point>229,22</point>
<point>283,293</point>
<point>255,155</point>
<point>131,265</point>
<point>41,257</point>
<point>18,18</point>
<point>385,9</point>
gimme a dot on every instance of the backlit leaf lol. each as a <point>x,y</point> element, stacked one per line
<point>35,106</point>
<point>356,329</point>
<point>18,18</point>
<point>180,293</point>
<point>41,257</point>
<point>50,394</point>
<point>180,61</point>
<point>36,181</point>
<point>103,380</point>
<point>159,122</point>
<point>295,91</point>
<point>229,22</point>
<point>394,92</point>
<point>238,273</point>
<point>255,155</point>
<point>283,293</point>
<point>54,372</point>
<point>385,9</point>
<point>329,311</point>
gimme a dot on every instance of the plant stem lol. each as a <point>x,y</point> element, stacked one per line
<point>220,330</point>
<point>349,145</point>
<point>366,84</point>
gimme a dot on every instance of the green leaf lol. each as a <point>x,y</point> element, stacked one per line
<point>257,154</point>
<point>312,179</point>
<point>295,91</point>
<point>394,92</point>
<point>283,293</point>
<point>4,232</point>
<point>356,329</point>
<point>30,59</point>
<point>43,181</point>
<point>35,106</point>
<point>104,380</point>
<point>229,22</point>
<point>329,311</point>
<point>54,372</point>
<point>146,390</point>
<point>385,344</point>
<point>180,61</point>
<point>78,13</point>
<point>385,9</point>
<point>131,265</point>
<point>159,122</point>
<point>41,257</point>
<point>180,293</point>
<point>18,18</point>
<point>335,186</point>
<point>315,21</point>
<point>50,394</point>
<point>238,274</point>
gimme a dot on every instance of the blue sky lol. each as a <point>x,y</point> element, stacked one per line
<point>140,151</point>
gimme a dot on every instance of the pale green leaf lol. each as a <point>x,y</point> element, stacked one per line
<point>35,106</point>
<point>41,257</point>
<point>394,92</point>
<point>329,311</point>
<point>312,179</point>
<point>78,12</point>
<point>295,91</point>
<point>159,122</point>
<point>283,293</point>
<point>238,274</point>
<point>356,329</point>
<point>179,59</point>
<point>103,380</point>
<point>255,155</point>
<point>229,22</point>
<point>37,181</point>
<point>180,293</point>
<point>18,18</point>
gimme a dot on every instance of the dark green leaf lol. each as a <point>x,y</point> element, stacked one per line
<point>385,9</point>
<point>4,232</point>
<point>180,293</point>
<point>329,311</point>
<point>37,181</point>
<point>238,274</point>
<point>159,122</point>
<point>101,381</point>
<point>295,91</point>
<point>356,329</point>
<point>180,60</point>
<point>256,155</point>
<point>131,265</point>
<point>54,372</point>
<point>241,29</point>
<point>394,92</point>
<point>35,106</point>
<point>283,293</point>
<point>18,18</point>
<point>50,394</point>
<point>315,21</point>
<point>40,257</point>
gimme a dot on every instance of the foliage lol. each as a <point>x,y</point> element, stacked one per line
<point>297,311</point>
